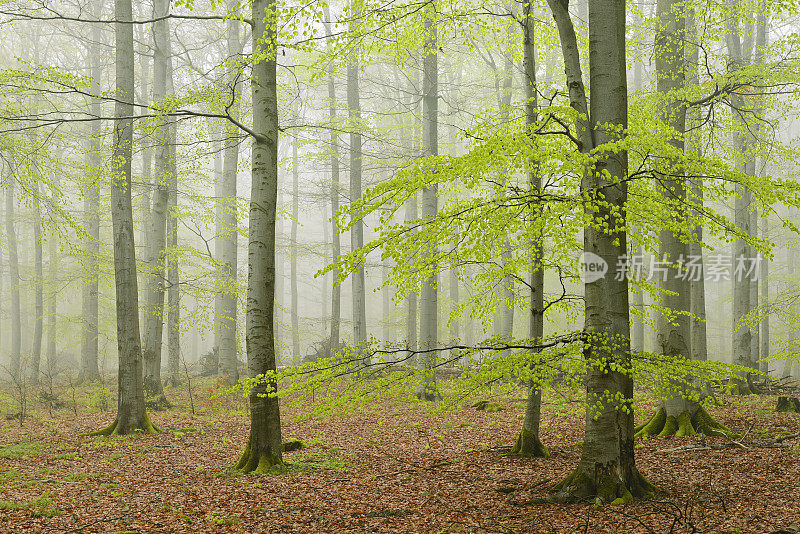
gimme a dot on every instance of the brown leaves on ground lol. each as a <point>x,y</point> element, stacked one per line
<point>391,468</point>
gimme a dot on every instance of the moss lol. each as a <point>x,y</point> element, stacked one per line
<point>528,445</point>
<point>683,425</point>
<point>788,405</point>
<point>604,487</point>
<point>257,463</point>
<point>654,425</point>
<point>113,429</point>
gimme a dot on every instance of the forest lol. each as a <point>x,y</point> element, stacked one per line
<point>513,266</point>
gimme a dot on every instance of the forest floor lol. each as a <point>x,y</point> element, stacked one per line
<point>392,467</point>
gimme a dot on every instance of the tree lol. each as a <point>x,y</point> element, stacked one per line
<point>227,231</point>
<point>528,443</point>
<point>131,414</point>
<point>607,467</point>
<point>157,236</point>
<point>91,215</point>
<point>13,273</point>
<point>356,163</point>
<point>264,448</point>
<point>428,317</point>
<point>293,253</point>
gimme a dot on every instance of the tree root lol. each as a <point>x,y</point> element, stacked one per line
<point>146,427</point>
<point>605,487</point>
<point>258,463</point>
<point>684,424</point>
<point>528,445</point>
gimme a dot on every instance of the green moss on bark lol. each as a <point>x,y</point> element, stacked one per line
<point>605,486</point>
<point>114,429</point>
<point>258,463</point>
<point>528,445</point>
<point>684,424</point>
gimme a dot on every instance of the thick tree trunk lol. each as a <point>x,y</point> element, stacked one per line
<point>131,414</point>
<point>13,275</point>
<point>296,358</point>
<point>607,469</point>
<point>428,319</point>
<point>263,448</point>
<point>156,259</point>
<point>357,228</point>
<point>228,241</point>
<point>91,214</point>
<point>528,443</point>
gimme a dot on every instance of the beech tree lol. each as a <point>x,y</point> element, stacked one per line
<point>131,414</point>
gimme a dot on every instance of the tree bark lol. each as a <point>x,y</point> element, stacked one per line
<point>428,319</point>
<point>52,297</point>
<point>263,448</point>
<point>357,228</point>
<point>13,275</point>
<point>131,414</point>
<point>336,290</point>
<point>528,442</point>
<point>296,358</point>
<point>91,214</point>
<point>38,309</point>
<point>156,258</point>
<point>607,469</point>
<point>173,274</point>
<point>228,240</point>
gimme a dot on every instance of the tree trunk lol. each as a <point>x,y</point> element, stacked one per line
<point>293,258</point>
<point>336,290</point>
<point>52,304</point>
<point>131,414</point>
<point>173,275</point>
<point>228,242</point>
<point>528,443</point>
<point>607,469</point>
<point>91,213</point>
<point>13,275</point>
<point>263,448</point>
<point>156,259</point>
<point>428,317</point>
<point>357,228</point>
<point>764,278</point>
<point>38,310</point>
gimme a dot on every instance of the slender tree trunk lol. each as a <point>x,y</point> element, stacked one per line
<point>228,243</point>
<point>293,259</point>
<point>38,309</point>
<point>13,275</point>
<point>738,54</point>
<point>428,318</point>
<point>607,469</point>
<point>131,414</point>
<point>91,213</point>
<point>357,228</point>
<point>52,305</point>
<point>336,291</point>
<point>173,275</point>
<point>156,259</point>
<point>528,442</point>
<point>264,448</point>
<point>387,307</point>
<point>411,299</point>
<point>764,278</point>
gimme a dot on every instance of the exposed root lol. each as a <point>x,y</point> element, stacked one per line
<point>685,424</point>
<point>605,487</point>
<point>528,445</point>
<point>158,403</point>
<point>257,463</point>
<point>114,429</point>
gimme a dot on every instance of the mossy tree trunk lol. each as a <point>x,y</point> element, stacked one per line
<point>263,448</point>
<point>528,443</point>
